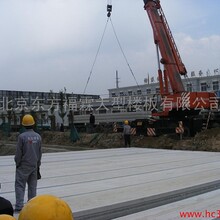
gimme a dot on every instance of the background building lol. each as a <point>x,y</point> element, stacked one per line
<point>201,83</point>
<point>50,109</point>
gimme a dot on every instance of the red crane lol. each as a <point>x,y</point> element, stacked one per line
<point>176,101</point>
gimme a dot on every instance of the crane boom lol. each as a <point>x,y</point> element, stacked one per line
<point>173,65</point>
<point>180,101</point>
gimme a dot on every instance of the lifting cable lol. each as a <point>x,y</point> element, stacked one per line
<point>109,9</point>
<point>126,60</point>
<point>96,56</point>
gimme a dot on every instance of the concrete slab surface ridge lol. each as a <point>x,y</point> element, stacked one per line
<point>126,183</point>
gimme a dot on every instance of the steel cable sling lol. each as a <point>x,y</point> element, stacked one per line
<point>96,56</point>
<point>109,9</point>
<point>126,60</point>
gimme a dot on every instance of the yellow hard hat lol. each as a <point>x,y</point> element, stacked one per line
<point>46,207</point>
<point>6,217</point>
<point>28,120</point>
<point>126,122</point>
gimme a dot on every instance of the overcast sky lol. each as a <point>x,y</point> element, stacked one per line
<point>51,44</point>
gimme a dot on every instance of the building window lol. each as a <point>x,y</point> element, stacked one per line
<point>4,94</point>
<point>157,90</point>
<point>129,93</point>
<point>148,91</point>
<point>189,87</point>
<point>26,94</point>
<point>139,92</point>
<point>121,93</point>
<point>215,85</point>
<point>203,86</point>
<point>113,94</point>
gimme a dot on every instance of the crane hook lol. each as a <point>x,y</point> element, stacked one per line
<point>109,10</point>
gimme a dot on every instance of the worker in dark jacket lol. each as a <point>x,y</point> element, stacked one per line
<point>127,133</point>
<point>28,160</point>
<point>92,119</point>
<point>91,122</point>
<point>6,207</point>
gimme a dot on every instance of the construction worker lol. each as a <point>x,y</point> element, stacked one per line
<point>62,127</point>
<point>91,122</point>
<point>28,160</point>
<point>6,217</point>
<point>46,207</point>
<point>127,133</point>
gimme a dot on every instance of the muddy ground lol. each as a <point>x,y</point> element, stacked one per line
<point>208,140</point>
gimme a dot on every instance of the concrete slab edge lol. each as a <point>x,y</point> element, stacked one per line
<point>142,204</point>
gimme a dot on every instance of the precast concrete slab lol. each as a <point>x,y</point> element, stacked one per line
<point>96,179</point>
<point>205,206</point>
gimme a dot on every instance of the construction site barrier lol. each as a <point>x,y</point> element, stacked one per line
<point>151,132</point>
<point>115,127</point>
<point>180,128</point>
<point>133,131</point>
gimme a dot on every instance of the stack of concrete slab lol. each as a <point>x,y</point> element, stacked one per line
<point>127,183</point>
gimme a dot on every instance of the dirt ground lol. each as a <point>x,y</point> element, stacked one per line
<point>208,140</point>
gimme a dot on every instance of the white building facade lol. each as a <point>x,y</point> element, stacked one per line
<point>202,83</point>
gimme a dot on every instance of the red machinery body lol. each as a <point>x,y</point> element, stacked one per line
<point>173,94</point>
<point>188,102</point>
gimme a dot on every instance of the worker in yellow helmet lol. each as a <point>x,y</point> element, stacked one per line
<point>46,207</point>
<point>28,160</point>
<point>127,133</point>
<point>7,217</point>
